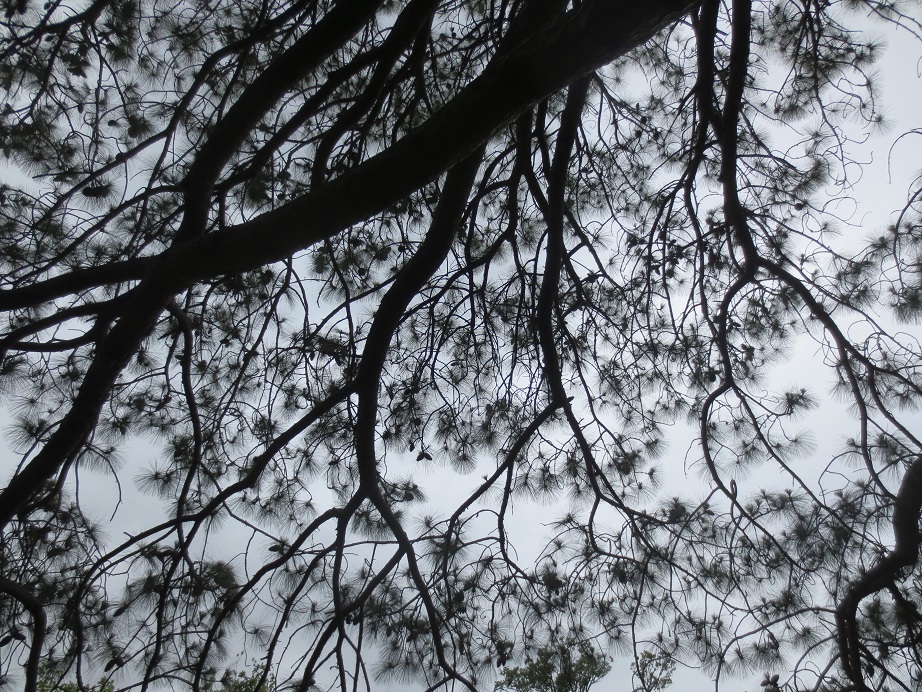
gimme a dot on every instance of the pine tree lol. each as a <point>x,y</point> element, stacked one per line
<point>370,280</point>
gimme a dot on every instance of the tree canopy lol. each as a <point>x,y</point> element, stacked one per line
<point>568,666</point>
<point>364,278</point>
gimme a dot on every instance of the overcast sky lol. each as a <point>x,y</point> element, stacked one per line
<point>876,200</point>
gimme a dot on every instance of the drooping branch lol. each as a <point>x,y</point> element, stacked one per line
<point>112,355</point>
<point>557,181</point>
<point>431,253</point>
<point>427,259</point>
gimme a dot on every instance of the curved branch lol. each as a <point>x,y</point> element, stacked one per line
<point>430,255</point>
<point>39,625</point>
<point>906,510</point>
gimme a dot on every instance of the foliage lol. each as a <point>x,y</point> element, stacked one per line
<point>231,681</point>
<point>654,671</point>
<point>257,679</point>
<point>306,305</point>
<point>566,667</point>
<point>770,683</point>
<point>48,681</point>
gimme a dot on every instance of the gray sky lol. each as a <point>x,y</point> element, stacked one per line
<point>876,199</point>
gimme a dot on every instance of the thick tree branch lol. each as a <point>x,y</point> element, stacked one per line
<point>581,41</point>
<point>112,355</point>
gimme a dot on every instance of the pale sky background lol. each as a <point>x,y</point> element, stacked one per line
<point>877,198</point>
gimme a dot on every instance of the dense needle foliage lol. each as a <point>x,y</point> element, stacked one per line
<point>370,279</point>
